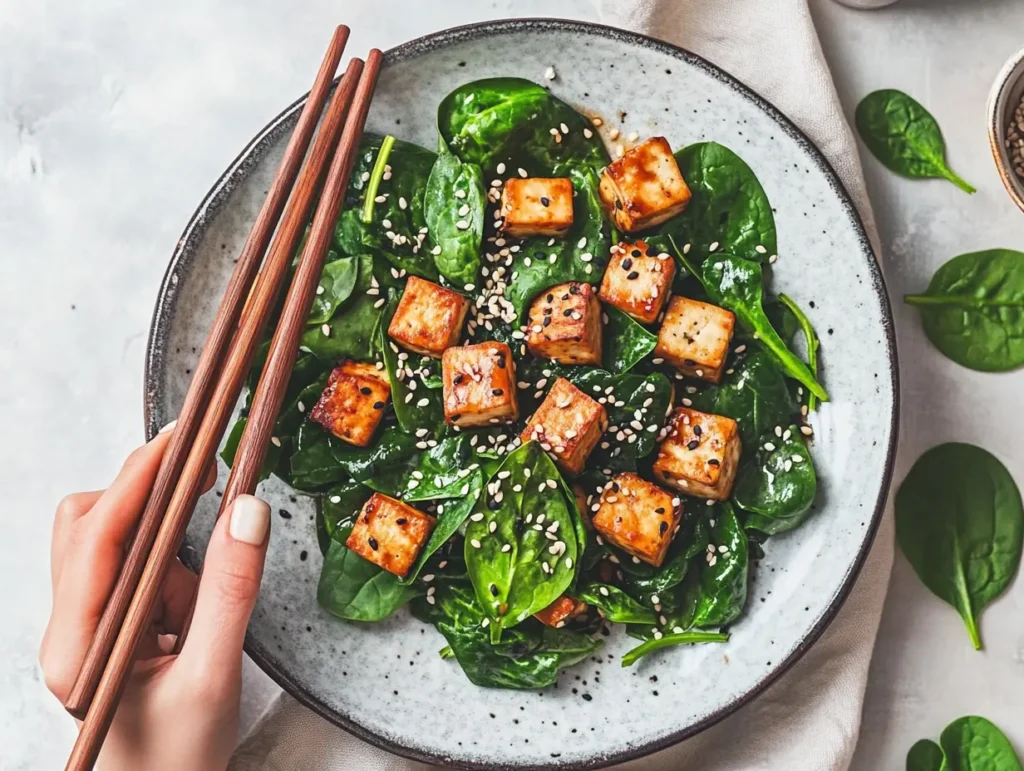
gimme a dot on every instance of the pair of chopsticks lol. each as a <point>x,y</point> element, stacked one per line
<point>247,303</point>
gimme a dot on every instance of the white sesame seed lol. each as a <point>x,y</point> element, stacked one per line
<point>326,330</point>
<point>462,225</point>
<point>549,73</point>
<point>806,430</point>
<point>320,290</point>
<point>633,136</point>
<point>475,543</point>
<point>588,133</point>
<point>522,173</point>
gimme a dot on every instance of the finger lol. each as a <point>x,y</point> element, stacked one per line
<point>176,598</point>
<point>71,509</point>
<point>227,594</point>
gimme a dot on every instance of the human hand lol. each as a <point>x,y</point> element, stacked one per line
<point>177,711</point>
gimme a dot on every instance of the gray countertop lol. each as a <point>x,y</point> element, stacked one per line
<point>116,117</point>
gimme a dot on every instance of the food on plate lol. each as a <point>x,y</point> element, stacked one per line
<point>540,395</point>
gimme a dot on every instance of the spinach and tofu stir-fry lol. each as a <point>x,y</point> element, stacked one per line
<point>543,392</point>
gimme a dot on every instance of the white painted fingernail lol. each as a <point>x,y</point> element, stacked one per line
<point>169,427</point>
<point>250,520</point>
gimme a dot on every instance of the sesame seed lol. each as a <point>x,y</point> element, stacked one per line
<point>522,173</point>
<point>806,430</point>
<point>549,73</point>
<point>475,543</point>
<point>462,225</point>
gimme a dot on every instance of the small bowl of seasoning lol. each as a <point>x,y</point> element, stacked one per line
<point>1006,126</point>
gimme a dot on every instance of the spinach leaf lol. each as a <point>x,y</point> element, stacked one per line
<point>356,589</point>
<point>960,523</point>
<point>810,338</point>
<point>926,755</point>
<point>450,517</point>
<point>626,342</point>
<point>416,406</point>
<point>454,207</point>
<point>520,543</point>
<point>336,284</point>
<point>973,310</point>
<point>723,579</point>
<point>338,509</point>
<point>669,641</point>
<point>904,136</point>
<point>270,461</point>
<point>736,284</point>
<point>615,605</point>
<point>646,581</point>
<point>728,207</point>
<point>778,487</point>
<point>510,121</point>
<point>320,459</point>
<point>348,335</point>
<point>975,744</point>
<point>753,393</point>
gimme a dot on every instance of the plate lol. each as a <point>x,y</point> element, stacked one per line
<point>386,683</point>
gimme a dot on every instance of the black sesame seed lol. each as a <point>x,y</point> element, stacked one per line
<point>714,462</point>
<point>636,253</point>
<point>627,264</point>
<point>547,311</point>
<point>545,201</point>
<point>455,418</point>
<point>365,391</point>
<point>697,430</point>
<point>497,391</point>
<point>574,289</point>
<point>303,555</point>
<point>565,296</point>
<point>660,510</point>
<point>615,486</point>
<point>378,405</point>
<point>632,275</point>
<point>618,204</point>
<point>373,543</point>
<point>459,378</point>
<point>663,527</point>
<point>547,320</point>
<point>494,590</point>
<point>586,696</point>
<point>689,362</point>
<point>567,312</point>
<point>493,504</point>
<point>501,361</point>
<point>401,521</point>
<point>285,514</point>
<point>693,445</point>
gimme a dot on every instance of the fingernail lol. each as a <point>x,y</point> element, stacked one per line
<point>170,426</point>
<point>250,520</point>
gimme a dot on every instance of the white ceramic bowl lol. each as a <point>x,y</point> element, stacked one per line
<point>1003,100</point>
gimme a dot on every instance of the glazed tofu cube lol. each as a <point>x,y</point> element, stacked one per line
<point>353,402</point>
<point>428,318</point>
<point>644,187</point>
<point>536,206</point>
<point>638,517</point>
<point>700,454</point>
<point>694,338</point>
<point>636,282</point>
<point>568,424</point>
<point>561,611</point>
<point>479,383</point>
<point>565,325</point>
<point>390,533</point>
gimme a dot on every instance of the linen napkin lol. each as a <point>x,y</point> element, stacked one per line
<point>809,719</point>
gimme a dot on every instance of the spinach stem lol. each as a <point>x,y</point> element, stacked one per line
<point>962,301</point>
<point>669,640</point>
<point>812,343</point>
<point>375,177</point>
<point>958,181</point>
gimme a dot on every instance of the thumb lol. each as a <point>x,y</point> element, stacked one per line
<point>228,590</point>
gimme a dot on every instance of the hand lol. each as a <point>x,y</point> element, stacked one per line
<point>177,711</point>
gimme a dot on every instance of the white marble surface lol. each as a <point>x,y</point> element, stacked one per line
<point>115,117</point>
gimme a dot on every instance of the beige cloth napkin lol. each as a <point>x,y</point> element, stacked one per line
<point>808,720</point>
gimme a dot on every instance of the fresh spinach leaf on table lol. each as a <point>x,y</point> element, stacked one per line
<point>353,588</point>
<point>960,523</point>
<point>736,284</point>
<point>723,578</point>
<point>516,568</point>
<point>926,755</point>
<point>669,641</point>
<point>973,310</point>
<point>777,487</point>
<point>454,207</point>
<point>615,605</point>
<point>626,342</point>
<point>974,744</point>
<point>904,136</point>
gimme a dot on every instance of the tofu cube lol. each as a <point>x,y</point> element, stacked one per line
<point>565,325</point>
<point>561,611</point>
<point>536,206</point>
<point>638,517</point>
<point>390,533</point>
<point>479,385</point>
<point>700,454</point>
<point>644,187</point>
<point>694,338</point>
<point>568,424</point>
<point>428,318</point>
<point>636,282</point>
<point>353,402</point>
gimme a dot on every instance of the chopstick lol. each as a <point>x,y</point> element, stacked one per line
<point>265,404</point>
<point>206,373</point>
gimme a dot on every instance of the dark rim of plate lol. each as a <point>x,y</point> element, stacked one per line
<point>181,263</point>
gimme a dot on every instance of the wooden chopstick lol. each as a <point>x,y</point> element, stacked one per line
<point>203,380</point>
<point>182,502</point>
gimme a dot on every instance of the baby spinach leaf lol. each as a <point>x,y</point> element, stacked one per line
<point>810,338</point>
<point>728,207</point>
<point>337,510</point>
<point>778,487</point>
<point>356,589</point>
<point>416,406</point>
<point>736,284</point>
<point>904,136</point>
<point>270,462</point>
<point>520,544</point>
<point>454,207</point>
<point>336,284</point>
<point>723,579</point>
<point>320,459</point>
<point>974,744</point>
<point>349,334</point>
<point>670,641</point>
<point>973,310</point>
<point>646,581</point>
<point>926,755</point>
<point>450,517</point>
<point>615,605</point>
<point>960,523</point>
<point>626,342</point>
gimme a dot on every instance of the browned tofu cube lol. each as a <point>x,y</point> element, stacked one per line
<point>644,187</point>
<point>565,325</point>
<point>568,424</point>
<point>536,206</point>
<point>638,517</point>
<point>636,282</point>
<point>700,454</point>
<point>390,533</point>
<point>561,611</point>
<point>353,402</point>
<point>428,318</point>
<point>479,383</point>
<point>694,338</point>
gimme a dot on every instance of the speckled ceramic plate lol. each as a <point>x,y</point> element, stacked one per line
<point>385,682</point>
